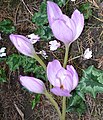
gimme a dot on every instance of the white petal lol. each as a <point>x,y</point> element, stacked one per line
<point>2,49</point>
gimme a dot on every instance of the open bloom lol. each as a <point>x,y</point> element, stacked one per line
<point>32,84</point>
<point>22,44</point>
<point>54,45</point>
<point>64,28</point>
<point>2,52</point>
<point>33,38</point>
<point>63,80</point>
<point>87,54</point>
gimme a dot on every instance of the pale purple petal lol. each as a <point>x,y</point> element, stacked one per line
<point>52,69</point>
<point>60,92</point>
<point>78,18</point>
<point>23,44</point>
<point>74,75</point>
<point>53,11</point>
<point>62,32</point>
<point>65,78</point>
<point>32,84</point>
<point>70,23</point>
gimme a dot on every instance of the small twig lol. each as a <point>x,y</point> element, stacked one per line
<point>19,111</point>
<point>98,18</point>
<point>27,8</point>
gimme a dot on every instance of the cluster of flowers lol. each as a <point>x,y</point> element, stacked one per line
<point>65,29</point>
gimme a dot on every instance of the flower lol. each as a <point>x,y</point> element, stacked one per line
<point>2,52</point>
<point>22,44</point>
<point>32,84</point>
<point>43,53</point>
<point>33,38</point>
<point>87,54</point>
<point>54,45</point>
<point>64,28</point>
<point>63,80</point>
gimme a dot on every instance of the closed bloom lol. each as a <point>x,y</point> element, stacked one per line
<point>32,84</point>
<point>22,44</point>
<point>63,80</point>
<point>64,28</point>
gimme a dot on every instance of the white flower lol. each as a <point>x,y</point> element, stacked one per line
<point>2,52</point>
<point>43,53</point>
<point>33,38</point>
<point>73,0</point>
<point>87,54</point>
<point>54,45</point>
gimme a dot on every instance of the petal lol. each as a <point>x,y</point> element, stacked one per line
<point>78,18</point>
<point>32,84</point>
<point>23,44</point>
<point>53,11</point>
<point>65,78</point>
<point>60,92</point>
<point>70,23</point>
<point>52,69</point>
<point>62,32</point>
<point>74,75</point>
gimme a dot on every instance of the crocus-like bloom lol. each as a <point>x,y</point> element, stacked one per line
<point>87,54</point>
<point>33,38</point>
<point>32,84</point>
<point>22,44</point>
<point>54,45</point>
<point>64,28</point>
<point>63,80</point>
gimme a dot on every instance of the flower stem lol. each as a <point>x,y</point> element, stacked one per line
<point>66,56</point>
<point>54,103</point>
<point>64,98</point>
<point>40,61</point>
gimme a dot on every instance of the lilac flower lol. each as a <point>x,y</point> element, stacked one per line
<point>64,28</point>
<point>63,80</point>
<point>32,84</point>
<point>23,44</point>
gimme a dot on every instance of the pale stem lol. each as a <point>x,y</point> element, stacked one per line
<point>64,98</point>
<point>40,61</point>
<point>54,103</point>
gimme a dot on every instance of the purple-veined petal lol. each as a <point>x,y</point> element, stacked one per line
<point>53,12</point>
<point>78,18</point>
<point>60,92</point>
<point>74,76</point>
<point>32,84</point>
<point>22,44</point>
<point>65,79</point>
<point>52,69</point>
<point>70,23</point>
<point>62,32</point>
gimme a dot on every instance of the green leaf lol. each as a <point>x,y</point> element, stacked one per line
<point>29,65</point>
<point>36,100</point>
<point>91,82</point>
<point>2,75</point>
<point>76,104</point>
<point>85,8</point>
<point>7,26</point>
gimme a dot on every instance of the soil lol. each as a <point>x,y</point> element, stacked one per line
<point>16,102</point>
